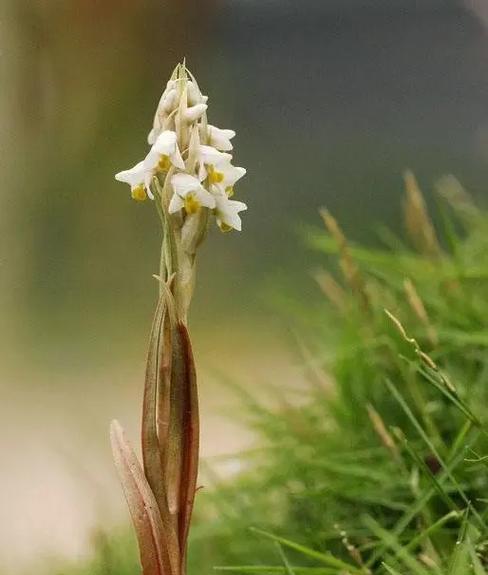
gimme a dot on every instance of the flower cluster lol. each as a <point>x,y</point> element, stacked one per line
<point>188,157</point>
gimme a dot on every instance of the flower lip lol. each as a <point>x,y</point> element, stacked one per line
<point>166,144</point>
<point>210,156</point>
<point>225,175</point>
<point>189,194</point>
<point>137,176</point>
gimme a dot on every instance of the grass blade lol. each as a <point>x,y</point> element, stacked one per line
<point>390,540</point>
<point>327,559</point>
<point>286,564</point>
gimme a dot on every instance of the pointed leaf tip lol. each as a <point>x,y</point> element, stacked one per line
<point>156,556</point>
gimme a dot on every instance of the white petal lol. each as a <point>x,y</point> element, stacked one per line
<point>151,160</point>
<point>184,183</point>
<point>232,174</point>
<point>147,184</point>
<point>205,198</point>
<point>220,139</point>
<point>210,155</point>
<point>228,210</point>
<point>134,176</point>
<point>175,204</point>
<point>223,132</point>
<point>151,137</point>
<point>123,176</point>
<point>166,143</point>
<point>232,220</point>
<point>195,112</point>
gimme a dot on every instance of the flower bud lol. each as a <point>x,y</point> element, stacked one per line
<point>195,112</point>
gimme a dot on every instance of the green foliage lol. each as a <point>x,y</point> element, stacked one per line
<point>380,465</point>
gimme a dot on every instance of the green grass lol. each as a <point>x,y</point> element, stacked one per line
<point>381,465</point>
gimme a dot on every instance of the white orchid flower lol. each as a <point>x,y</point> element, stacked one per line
<point>209,159</point>
<point>189,194</point>
<point>224,176</point>
<point>139,180</point>
<point>164,153</point>
<point>216,167</point>
<point>220,139</point>
<point>227,212</point>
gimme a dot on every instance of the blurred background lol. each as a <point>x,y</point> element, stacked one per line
<point>331,100</point>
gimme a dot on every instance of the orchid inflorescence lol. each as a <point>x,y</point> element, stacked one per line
<point>189,155</point>
<point>188,172</point>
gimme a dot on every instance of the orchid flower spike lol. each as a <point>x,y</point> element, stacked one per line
<point>189,161</point>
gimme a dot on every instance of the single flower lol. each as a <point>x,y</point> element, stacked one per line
<point>224,176</point>
<point>139,180</point>
<point>227,212</point>
<point>164,153</point>
<point>209,159</point>
<point>220,139</point>
<point>189,194</point>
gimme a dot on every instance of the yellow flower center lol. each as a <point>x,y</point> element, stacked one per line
<point>214,177</point>
<point>229,190</point>
<point>192,205</point>
<point>138,193</point>
<point>224,227</point>
<point>164,163</point>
